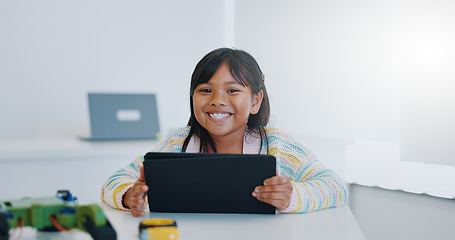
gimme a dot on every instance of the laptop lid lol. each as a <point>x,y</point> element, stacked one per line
<point>117,116</point>
<point>207,183</point>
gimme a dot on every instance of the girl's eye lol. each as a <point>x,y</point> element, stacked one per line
<point>205,90</point>
<point>233,90</point>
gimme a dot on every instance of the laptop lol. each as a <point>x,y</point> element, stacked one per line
<point>207,183</point>
<point>118,116</point>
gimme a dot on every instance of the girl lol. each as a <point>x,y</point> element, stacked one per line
<point>229,114</point>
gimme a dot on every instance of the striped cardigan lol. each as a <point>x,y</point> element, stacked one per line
<point>314,186</point>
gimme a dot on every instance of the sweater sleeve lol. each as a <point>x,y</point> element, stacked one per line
<point>315,187</point>
<point>119,183</point>
<point>123,179</point>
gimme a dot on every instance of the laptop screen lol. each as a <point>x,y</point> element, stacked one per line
<point>115,116</point>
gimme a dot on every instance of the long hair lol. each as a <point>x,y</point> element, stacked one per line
<point>246,71</point>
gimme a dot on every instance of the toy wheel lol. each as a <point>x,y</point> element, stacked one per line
<point>92,220</point>
<point>93,212</point>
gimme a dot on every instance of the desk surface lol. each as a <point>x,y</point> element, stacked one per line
<point>338,223</point>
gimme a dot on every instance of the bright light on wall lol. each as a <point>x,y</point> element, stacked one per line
<point>428,82</point>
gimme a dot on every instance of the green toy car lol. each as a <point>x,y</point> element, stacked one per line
<point>57,213</point>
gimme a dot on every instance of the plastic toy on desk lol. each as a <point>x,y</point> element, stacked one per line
<point>59,213</point>
<point>158,229</point>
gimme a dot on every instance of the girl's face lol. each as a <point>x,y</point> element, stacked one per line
<point>222,105</point>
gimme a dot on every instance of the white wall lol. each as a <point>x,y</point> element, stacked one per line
<point>377,70</point>
<point>428,132</point>
<point>53,52</point>
<point>327,64</point>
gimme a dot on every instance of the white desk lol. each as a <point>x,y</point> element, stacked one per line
<point>82,167</point>
<point>337,223</point>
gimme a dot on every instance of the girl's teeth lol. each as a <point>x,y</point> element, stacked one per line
<point>219,115</point>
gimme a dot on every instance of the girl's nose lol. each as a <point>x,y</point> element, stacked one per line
<point>218,99</point>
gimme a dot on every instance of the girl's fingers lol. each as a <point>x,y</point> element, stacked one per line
<point>136,206</point>
<point>276,191</point>
<point>272,196</point>
<point>275,185</point>
<point>274,188</point>
<point>138,201</point>
<point>141,176</point>
<point>137,213</point>
<point>277,180</point>
<point>133,202</point>
<point>278,200</point>
<point>139,190</point>
<point>135,199</point>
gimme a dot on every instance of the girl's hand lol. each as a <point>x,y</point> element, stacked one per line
<point>134,198</point>
<point>276,191</point>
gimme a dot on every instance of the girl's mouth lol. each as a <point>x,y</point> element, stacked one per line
<point>219,116</point>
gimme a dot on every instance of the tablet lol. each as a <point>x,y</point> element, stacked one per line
<point>207,183</point>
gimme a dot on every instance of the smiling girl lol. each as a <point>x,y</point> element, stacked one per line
<point>229,114</point>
